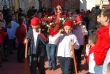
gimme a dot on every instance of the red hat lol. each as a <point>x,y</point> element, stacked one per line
<point>35,21</point>
<point>68,23</point>
<point>78,18</point>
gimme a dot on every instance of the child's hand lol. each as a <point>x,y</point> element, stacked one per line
<point>92,44</point>
<point>88,46</point>
<point>25,41</point>
<point>61,30</point>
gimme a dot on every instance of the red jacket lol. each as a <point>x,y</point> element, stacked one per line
<point>21,33</point>
<point>2,36</point>
<point>102,45</point>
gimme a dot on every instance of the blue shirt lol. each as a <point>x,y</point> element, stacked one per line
<point>12,30</point>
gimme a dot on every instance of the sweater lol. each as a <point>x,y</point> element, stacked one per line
<point>102,45</point>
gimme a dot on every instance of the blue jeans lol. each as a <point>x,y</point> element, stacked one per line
<point>98,69</point>
<point>51,55</point>
<point>66,64</point>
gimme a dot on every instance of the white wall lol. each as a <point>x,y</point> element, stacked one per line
<point>87,4</point>
<point>26,4</point>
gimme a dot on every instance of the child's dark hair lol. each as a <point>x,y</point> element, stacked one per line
<point>106,12</point>
<point>20,20</point>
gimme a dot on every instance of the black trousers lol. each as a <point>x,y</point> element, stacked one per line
<point>36,65</point>
<point>20,52</point>
<point>78,56</point>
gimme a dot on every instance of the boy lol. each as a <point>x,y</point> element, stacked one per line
<point>34,40</point>
<point>64,50</point>
<point>80,32</point>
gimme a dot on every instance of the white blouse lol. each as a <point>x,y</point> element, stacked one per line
<point>54,39</point>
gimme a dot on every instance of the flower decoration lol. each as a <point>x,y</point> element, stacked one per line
<point>54,24</point>
<point>51,20</point>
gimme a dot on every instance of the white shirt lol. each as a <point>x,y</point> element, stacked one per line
<point>12,31</point>
<point>64,49</point>
<point>54,39</point>
<point>35,35</point>
<point>106,62</point>
<point>91,63</point>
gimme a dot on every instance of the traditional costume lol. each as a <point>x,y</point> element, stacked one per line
<point>64,50</point>
<point>20,36</point>
<point>80,33</point>
<point>34,51</point>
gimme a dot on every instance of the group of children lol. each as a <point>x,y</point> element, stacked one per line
<point>58,43</point>
<point>96,53</point>
<point>64,53</point>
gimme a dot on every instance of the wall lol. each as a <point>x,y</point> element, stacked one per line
<point>87,4</point>
<point>26,4</point>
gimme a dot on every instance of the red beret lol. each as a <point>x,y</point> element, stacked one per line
<point>78,18</point>
<point>35,21</point>
<point>68,23</point>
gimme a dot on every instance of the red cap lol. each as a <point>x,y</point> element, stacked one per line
<point>35,21</point>
<point>78,18</point>
<point>68,23</point>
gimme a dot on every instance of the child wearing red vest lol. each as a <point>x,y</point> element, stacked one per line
<point>2,36</point>
<point>20,36</point>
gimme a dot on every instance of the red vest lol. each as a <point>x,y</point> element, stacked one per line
<point>21,33</point>
<point>2,36</point>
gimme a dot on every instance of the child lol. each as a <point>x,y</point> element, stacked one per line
<point>2,36</point>
<point>98,51</point>
<point>34,40</point>
<point>64,50</point>
<point>20,36</point>
<point>51,47</point>
<point>80,32</point>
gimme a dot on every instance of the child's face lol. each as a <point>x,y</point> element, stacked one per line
<point>98,18</point>
<point>67,29</point>
<point>1,16</point>
<point>35,27</point>
<point>103,20</point>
